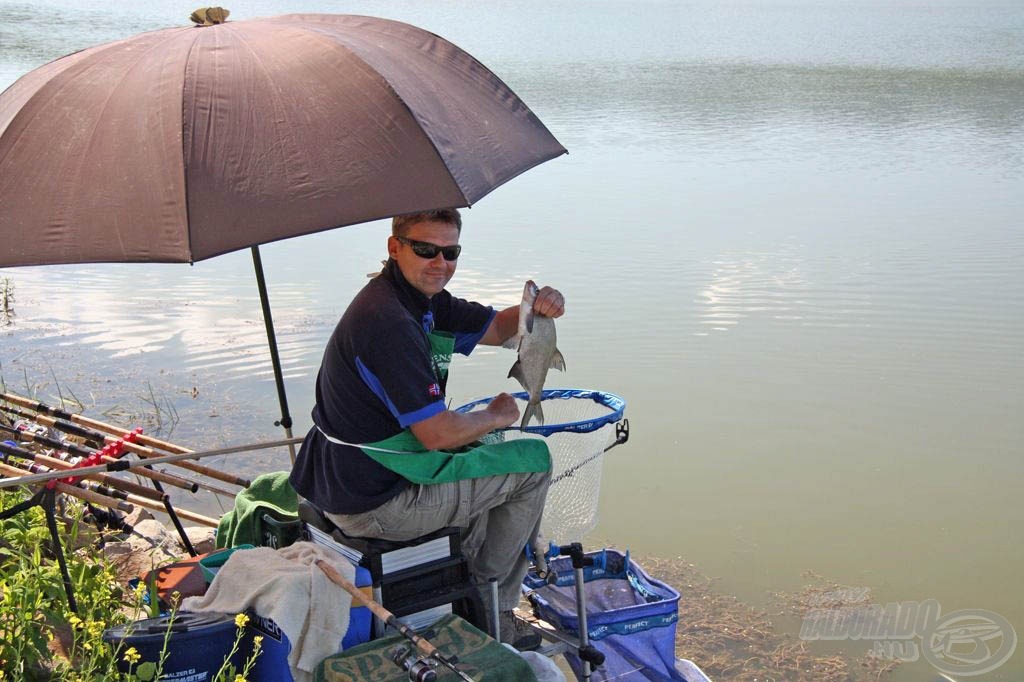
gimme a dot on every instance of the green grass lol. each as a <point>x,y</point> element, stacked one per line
<point>40,638</point>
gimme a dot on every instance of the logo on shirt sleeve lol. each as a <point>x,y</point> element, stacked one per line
<point>434,390</point>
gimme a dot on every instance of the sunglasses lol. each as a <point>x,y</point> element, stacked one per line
<point>428,250</point>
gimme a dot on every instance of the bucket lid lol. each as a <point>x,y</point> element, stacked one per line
<point>195,624</point>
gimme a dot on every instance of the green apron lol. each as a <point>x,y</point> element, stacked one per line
<point>415,463</point>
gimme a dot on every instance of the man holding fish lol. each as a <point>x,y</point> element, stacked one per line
<point>386,458</point>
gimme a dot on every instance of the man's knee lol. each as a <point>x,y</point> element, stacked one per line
<point>537,480</point>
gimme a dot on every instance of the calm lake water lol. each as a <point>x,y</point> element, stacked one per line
<point>791,235</point>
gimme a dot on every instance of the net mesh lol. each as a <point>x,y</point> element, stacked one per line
<point>576,458</point>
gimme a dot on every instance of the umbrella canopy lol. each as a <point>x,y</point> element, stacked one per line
<point>181,144</point>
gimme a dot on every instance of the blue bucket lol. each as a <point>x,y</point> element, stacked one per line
<point>196,648</point>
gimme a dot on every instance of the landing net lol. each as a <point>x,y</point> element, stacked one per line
<point>580,426</point>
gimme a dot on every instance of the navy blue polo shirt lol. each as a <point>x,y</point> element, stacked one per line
<point>376,379</point>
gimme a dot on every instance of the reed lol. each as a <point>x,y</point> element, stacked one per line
<point>6,301</point>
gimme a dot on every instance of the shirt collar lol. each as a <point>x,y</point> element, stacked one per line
<point>414,300</point>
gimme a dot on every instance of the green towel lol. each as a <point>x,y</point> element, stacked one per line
<point>269,492</point>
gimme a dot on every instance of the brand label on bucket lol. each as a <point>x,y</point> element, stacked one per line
<point>189,675</point>
<point>267,627</point>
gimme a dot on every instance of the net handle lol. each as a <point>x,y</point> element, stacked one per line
<point>613,402</point>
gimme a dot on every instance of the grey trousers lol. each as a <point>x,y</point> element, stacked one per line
<point>498,515</point>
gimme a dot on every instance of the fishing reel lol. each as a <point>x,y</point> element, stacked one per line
<point>418,669</point>
<point>33,428</point>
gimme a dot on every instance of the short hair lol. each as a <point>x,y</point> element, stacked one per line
<point>400,224</point>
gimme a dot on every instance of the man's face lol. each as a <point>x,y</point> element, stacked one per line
<point>428,275</point>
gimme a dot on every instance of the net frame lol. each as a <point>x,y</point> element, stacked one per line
<point>615,404</point>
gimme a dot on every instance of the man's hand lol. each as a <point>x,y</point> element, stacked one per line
<point>503,410</point>
<point>451,429</point>
<point>549,303</point>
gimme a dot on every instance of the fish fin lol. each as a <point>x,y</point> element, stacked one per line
<point>529,321</point>
<point>557,361</point>
<point>532,410</point>
<point>517,373</point>
<point>513,342</point>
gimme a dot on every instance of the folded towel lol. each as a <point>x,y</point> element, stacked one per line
<point>286,586</point>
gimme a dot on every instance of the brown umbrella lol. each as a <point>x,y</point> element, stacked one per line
<point>185,143</point>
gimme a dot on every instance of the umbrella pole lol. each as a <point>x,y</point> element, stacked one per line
<point>275,359</point>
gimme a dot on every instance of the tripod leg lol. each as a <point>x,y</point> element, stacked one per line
<point>49,505</point>
<point>174,519</point>
<point>22,506</point>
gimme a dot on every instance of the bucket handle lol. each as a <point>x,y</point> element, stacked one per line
<point>176,626</point>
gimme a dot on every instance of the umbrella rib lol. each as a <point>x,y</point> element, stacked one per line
<point>184,153</point>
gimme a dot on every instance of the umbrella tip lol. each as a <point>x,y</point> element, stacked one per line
<point>208,16</point>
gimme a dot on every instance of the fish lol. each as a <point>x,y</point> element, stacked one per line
<point>535,341</point>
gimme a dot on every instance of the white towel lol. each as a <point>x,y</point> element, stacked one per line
<point>286,586</point>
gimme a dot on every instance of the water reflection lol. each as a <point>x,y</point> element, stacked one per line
<point>763,284</point>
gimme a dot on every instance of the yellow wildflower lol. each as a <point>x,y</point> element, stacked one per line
<point>257,642</point>
<point>95,628</point>
<point>140,591</point>
<point>75,621</point>
<point>132,655</point>
<point>241,620</point>
<point>240,678</point>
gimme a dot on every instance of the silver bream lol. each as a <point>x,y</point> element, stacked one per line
<point>535,340</point>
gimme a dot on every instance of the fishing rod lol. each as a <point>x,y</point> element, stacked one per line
<point>137,492</point>
<point>127,437</point>
<point>125,465</point>
<point>424,645</point>
<point>97,493</point>
<point>122,501</point>
<point>57,463</point>
<point>68,474</point>
<point>85,484</point>
<point>109,428</point>
<point>85,452</point>
<point>80,493</point>
<point>81,419</point>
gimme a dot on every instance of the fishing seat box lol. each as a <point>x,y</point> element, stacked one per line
<point>416,580</point>
<point>278,530</point>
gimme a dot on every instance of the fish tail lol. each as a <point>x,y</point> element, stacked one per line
<point>533,409</point>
